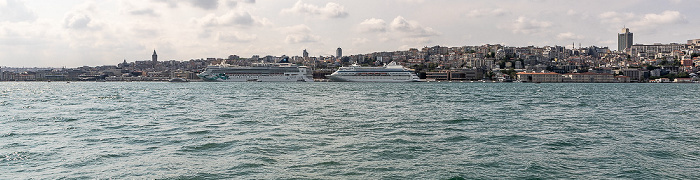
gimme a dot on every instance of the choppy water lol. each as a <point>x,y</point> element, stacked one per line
<point>52,130</point>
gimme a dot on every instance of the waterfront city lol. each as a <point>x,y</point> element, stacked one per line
<point>658,62</point>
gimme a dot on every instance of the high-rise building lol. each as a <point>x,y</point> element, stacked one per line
<point>624,40</point>
<point>305,54</point>
<point>338,53</point>
<point>154,57</point>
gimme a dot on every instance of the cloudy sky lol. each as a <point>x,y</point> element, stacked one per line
<point>72,33</point>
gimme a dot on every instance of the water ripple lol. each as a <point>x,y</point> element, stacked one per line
<point>148,130</point>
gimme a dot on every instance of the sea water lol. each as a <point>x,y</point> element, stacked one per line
<point>158,130</point>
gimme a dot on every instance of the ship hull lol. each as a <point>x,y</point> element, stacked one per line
<point>371,79</point>
<point>260,78</point>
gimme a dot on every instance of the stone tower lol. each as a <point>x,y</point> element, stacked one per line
<point>154,57</point>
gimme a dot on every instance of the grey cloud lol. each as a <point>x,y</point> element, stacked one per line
<point>301,38</point>
<point>234,3</point>
<point>205,4</point>
<point>76,21</point>
<point>299,34</point>
<point>530,26</point>
<point>144,32</point>
<point>416,40</point>
<point>237,18</point>
<point>410,1</point>
<point>477,13</point>
<point>231,4</point>
<point>147,12</point>
<point>297,29</point>
<point>236,37</point>
<point>569,36</point>
<point>402,25</point>
<point>170,3</point>
<point>615,17</point>
<point>15,11</point>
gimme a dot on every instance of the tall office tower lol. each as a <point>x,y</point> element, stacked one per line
<point>339,53</point>
<point>624,40</point>
<point>305,54</point>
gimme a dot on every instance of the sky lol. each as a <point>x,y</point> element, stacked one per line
<point>73,33</point>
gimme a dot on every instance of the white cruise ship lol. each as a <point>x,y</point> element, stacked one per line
<point>391,72</point>
<point>258,72</point>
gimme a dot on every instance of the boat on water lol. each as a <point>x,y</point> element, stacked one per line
<point>283,71</point>
<point>391,72</point>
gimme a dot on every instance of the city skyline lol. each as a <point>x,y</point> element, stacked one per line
<point>77,33</point>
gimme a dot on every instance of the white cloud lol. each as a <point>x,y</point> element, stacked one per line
<point>15,11</point>
<point>80,18</point>
<point>644,22</point>
<point>71,29</point>
<point>410,1</point>
<point>297,29</point>
<point>569,36</point>
<point>665,18</point>
<point>399,30</point>
<point>170,3</point>
<point>616,18</point>
<point>416,40</point>
<point>144,32</point>
<point>578,15</point>
<point>141,10</point>
<point>372,25</point>
<point>205,4</point>
<point>299,34</point>
<point>76,21</point>
<point>17,36</point>
<point>236,37</point>
<point>331,10</point>
<point>525,25</point>
<point>301,38</point>
<point>359,41</point>
<point>400,24</point>
<point>486,13</point>
<point>235,18</point>
<point>607,42</point>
